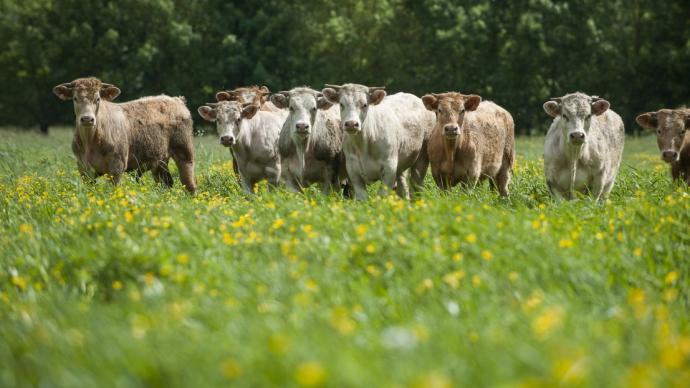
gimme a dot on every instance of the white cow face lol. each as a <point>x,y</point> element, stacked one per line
<point>354,101</point>
<point>302,105</point>
<point>228,116</point>
<point>86,93</point>
<point>574,112</point>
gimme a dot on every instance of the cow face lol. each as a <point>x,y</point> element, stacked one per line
<point>354,101</point>
<point>671,126</point>
<point>86,93</point>
<point>302,105</point>
<point>245,95</point>
<point>228,116</point>
<point>574,114</point>
<point>450,109</point>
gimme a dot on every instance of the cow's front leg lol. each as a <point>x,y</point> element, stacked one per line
<point>389,177</point>
<point>116,167</point>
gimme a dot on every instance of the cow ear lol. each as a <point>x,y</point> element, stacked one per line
<point>376,97</point>
<point>600,106</point>
<point>207,113</point>
<point>264,89</point>
<point>552,108</point>
<point>64,92</point>
<point>322,103</point>
<point>687,121</point>
<point>280,100</point>
<point>472,102</point>
<point>648,120</point>
<point>223,96</point>
<point>430,102</point>
<point>109,92</point>
<point>331,95</point>
<point>249,111</point>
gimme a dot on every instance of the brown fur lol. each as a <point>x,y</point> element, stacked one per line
<point>257,95</point>
<point>138,135</point>
<point>483,148</point>
<point>672,128</point>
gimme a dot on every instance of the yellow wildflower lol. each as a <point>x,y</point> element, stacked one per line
<point>487,255</point>
<point>471,238</point>
<point>230,369</point>
<point>310,374</point>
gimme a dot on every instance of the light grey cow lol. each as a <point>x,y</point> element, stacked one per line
<point>310,142</point>
<point>385,136</point>
<point>252,135</point>
<point>583,147</point>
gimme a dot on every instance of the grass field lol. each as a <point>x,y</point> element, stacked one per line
<point>143,286</point>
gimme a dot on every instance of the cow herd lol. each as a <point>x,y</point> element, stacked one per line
<point>346,137</point>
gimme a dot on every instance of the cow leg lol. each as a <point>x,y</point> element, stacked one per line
<point>502,180</point>
<point>86,175</point>
<point>273,177</point>
<point>292,184</point>
<point>247,184</point>
<point>401,187</point>
<point>185,165</point>
<point>418,172</point>
<point>116,166</point>
<point>359,187</point>
<point>161,174</point>
<point>389,178</point>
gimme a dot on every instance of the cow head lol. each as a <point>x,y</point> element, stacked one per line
<point>671,126</point>
<point>228,116</point>
<point>450,109</point>
<point>354,101</point>
<point>302,104</point>
<point>245,95</point>
<point>574,114</point>
<point>86,94</point>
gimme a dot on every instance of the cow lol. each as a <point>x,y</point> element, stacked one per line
<point>672,137</point>
<point>472,140</point>
<point>252,136</point>
<point>310,142</point>
<point>385,136</point>
<point>139,135</point>
<point>249,94</point>
<point>583,147</point>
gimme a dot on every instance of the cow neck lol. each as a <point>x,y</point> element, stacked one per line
<point>89,137</point>
<point>573,153</point>
<point>301,146</point>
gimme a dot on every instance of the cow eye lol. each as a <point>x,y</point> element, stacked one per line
<point>566,118</point>
<point>365,105</point>
<point>292,109</point>
<point>658,131</point>
<point>313,109</point>
<point>341,105</point>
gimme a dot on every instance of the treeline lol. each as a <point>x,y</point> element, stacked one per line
<point>635,53</point>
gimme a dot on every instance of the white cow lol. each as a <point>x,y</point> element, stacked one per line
<point>253,137</point>
<point>384,137</point>
<point>310,142</point>
<point>584,146</point>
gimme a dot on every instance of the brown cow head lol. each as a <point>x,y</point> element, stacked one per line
<point>671,126</point>
<point>450,109</point>
<point>245,95</point>
<point>228,116</point>
<point>354,103</point>
<point>86,94</point>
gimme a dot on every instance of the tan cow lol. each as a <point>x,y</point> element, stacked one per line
<point>249,95</point>
<point>138,135</point>
<point>673,138</point>
<point>471,141</point>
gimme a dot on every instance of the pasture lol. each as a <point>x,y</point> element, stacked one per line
<point>143,286</point>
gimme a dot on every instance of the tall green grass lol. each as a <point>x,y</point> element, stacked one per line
<point>143,286</point>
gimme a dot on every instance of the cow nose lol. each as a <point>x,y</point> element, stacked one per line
<point>302,127</point>
<point>577,136</point>
<point>87,120</point>
<point>351,124</point>
<point>451,129</point>
<point>669,155</point>
<point>227,140</point>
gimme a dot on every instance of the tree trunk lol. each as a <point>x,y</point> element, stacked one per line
<point>43,127</point>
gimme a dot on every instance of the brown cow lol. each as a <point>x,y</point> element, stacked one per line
<point>249,95</point>
<point>673,138</point>
<point>137,135</point>
<point>471,140</point>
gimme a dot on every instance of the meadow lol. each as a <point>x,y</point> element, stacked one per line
<point>140,285</point>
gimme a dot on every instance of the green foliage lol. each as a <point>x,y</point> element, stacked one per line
<point>517,53</point>
<point>144,286</point>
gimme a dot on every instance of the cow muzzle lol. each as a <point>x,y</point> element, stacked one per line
<point>576,137</point>
<point>451,131</point>
<point>87,121</point>
<point>302,129</point>
<point>669,156</point>
<point>227,140</point>
<point>351,126</point>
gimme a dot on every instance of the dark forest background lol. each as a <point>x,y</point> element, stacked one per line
<point>635,53</point>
